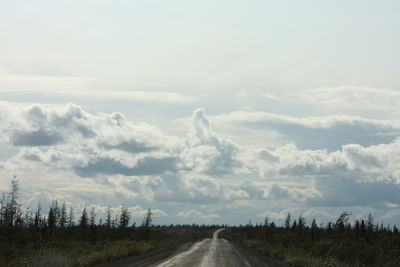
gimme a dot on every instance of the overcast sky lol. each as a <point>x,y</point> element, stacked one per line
<point>204,111</point>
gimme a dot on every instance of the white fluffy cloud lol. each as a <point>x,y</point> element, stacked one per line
<point>136,162</point>
<point>205,152</point>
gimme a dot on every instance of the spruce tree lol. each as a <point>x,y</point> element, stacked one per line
<point>83,221</point>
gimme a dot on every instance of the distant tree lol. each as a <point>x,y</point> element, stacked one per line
<point>38,216</point>
<point>108,218</point>
<point>28,220</point>
<point>343,219</point>
<point>146,224</point>
<point>63,216</point>
<point>3,207</point>
<point>370,223</point>
<point>314,230</point>
<point>83,221</point>
<point>93,233</point>
<point>115,221</point>
<point>362,229</point>
<point>301,223</point>
<point>12,205</point>
<point>52,218</point>
<point>147,220</point>
<point>287,221</point>
<point>12,208</point>
<point>294,225</point>
<point>266,221</point>
<point>71,217</point>
<point>395,230</point>
<point>341,222</point>
<point>92,217</point>
<point>124,218</point>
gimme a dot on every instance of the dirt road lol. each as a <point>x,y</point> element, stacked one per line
<point>210,252</point>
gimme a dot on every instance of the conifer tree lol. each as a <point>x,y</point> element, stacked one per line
<point>147,220</point>
<point>124,218</point>
<point>83,221</point>
<point>71,217</point>
<point>63,216</point>
<point>287,221</point>
<point>108,218</point>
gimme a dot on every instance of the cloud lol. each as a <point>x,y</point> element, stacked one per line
<point>20,85</point>
<point>190,188</point>
<point>109,144</point>
<point>205,152</point>
<point>337,191</point>
<point>131,146</point>
<point>197,214</point>
<point>103,157</point>
<point>251,189</point>
<point>110,166</point>
<point>329,132</point>
<point>351,97</point>
<point>36,138</point>
<point>296,193</point>
<point>356,175</point>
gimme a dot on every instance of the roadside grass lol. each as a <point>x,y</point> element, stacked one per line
<point>324,253</point>
<point>75,253</point>
<point>294,256</point>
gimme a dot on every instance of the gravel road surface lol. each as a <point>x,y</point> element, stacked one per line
<point>209,252</point>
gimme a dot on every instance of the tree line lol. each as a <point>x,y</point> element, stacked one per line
<point>360,243</point>
<point>18,226</point>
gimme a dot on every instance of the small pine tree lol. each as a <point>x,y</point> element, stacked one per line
<point>370,223</point>
<point>109,218</point>
<point>146,224</point>
<point>83,221</point>
<point>266,221</point>
<point>71,217</point>
<point>124,218</point>
<point>147,220</point>
<point>92,217</point>
<point>287,221</point>
<point>63,216</point>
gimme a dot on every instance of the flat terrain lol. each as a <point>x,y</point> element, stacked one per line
<point>209,252</point>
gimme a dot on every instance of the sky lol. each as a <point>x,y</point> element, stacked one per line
<point>204,111</point>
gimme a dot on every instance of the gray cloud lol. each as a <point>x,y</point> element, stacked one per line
<point>144,166</point>
<point>36,138</point>
<point>251,189</point>
<point>205,152</point>
<point>341,192</point>
<point>330,132</point>
<point>138,161</point>
<point>130,146</point>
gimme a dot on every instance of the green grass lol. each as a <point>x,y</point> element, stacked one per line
<point>75,253</point>
<point>321,254</point>
<point>293,256</point>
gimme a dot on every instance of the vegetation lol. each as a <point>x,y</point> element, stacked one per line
<point>340,243</point>
<point>30,238</point>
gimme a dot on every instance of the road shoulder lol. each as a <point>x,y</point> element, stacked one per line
<point>151,258</point>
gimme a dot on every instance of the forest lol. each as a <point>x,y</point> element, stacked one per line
<point>61,238</point>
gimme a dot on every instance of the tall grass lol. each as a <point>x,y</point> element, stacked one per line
<point>79,253</point>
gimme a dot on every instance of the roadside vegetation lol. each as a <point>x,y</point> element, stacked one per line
<point>61,238</point>
<point>339,243</point>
